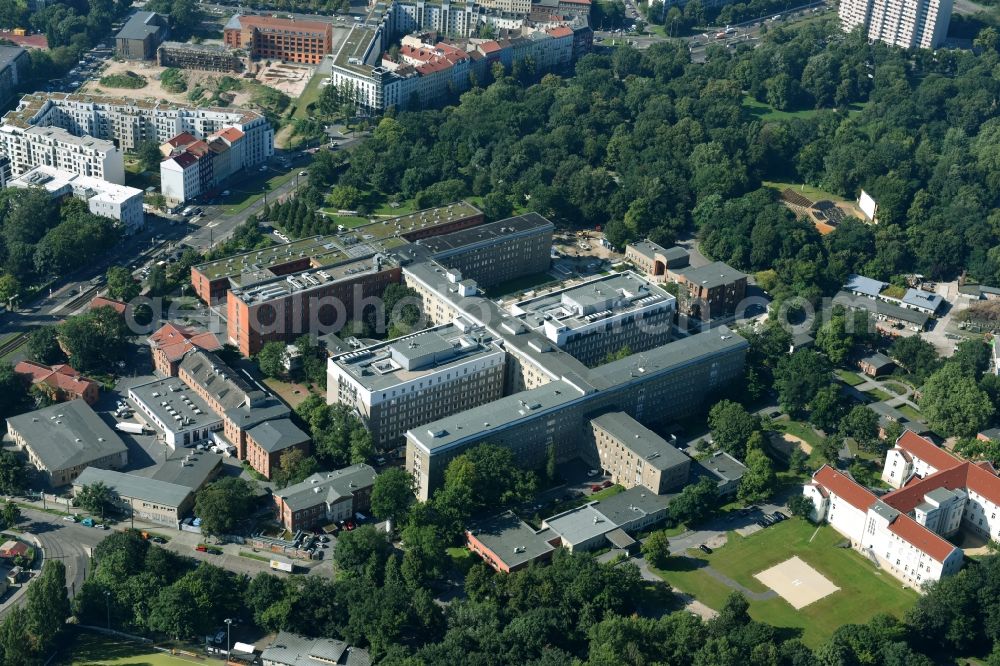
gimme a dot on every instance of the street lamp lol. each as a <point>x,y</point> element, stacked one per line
<point>107,603</point>
<point>229,624</point>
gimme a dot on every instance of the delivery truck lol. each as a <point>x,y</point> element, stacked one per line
<point>132,428</point>
<point>282,565</point>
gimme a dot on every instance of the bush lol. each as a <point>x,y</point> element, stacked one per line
<point>129,80</point>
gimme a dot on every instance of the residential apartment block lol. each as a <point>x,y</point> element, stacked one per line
<point>62,440</point>
<point>194,167</point>
<point>907,24</point>
<point>140,36</point>
<point>325,497</point>
<point>398,385</point>
<point>428,72</point>
<point>54,147</point>
<point>601,316</point>
<point>633,455</point>
<point>905,531</point>
<point>118,202</point>
<point>285,39</point>
<point>129,122</point>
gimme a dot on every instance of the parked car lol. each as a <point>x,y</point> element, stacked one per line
<point>596,487</point>
<point>705,549</point>
<point>201,549</point>
<point>157,539</point>
<point>778,516</point>
<point>607,484</point>
<point>70,518</point>
<point>760,523</point>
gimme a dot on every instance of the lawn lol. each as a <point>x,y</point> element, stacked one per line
<point>801,430</point>
<point>309,95</point>
<point>864,591</point>
<point>93,650</point>
<point>878,395</point>
<point>250,190</point>
<point>521,284</point>
<point>349,221</point>
<point>895,386</point>
<point>910,413</point>
<point>849,378</point>
<point>767,112</point>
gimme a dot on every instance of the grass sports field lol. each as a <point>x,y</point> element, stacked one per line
<point>863,589</point>
<point>86,649</point>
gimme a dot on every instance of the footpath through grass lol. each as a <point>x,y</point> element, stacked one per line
<point>864,590</point>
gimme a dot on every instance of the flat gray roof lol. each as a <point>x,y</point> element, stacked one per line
<point>884,510</point>
<point>723,466</point>
<point>580,524</point>
<point>328,486</point>
<point>189,468</point>
<point>633,503</point>
<point>649,249</point>
<point>388,364</point>
<point>67,434</point>
<point>642,441</point>
<point>175,403</point>
<point>135,487</point>
<point>713,275</point>
<point>486,234</point>
<point>511,539</point>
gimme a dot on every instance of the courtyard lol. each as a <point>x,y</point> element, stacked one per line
<point>836,585</point>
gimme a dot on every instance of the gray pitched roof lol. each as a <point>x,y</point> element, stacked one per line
<point>277,435</point>
<point>9,54</point>
<point>141,25</point>
<point>223,383</point>
<point>293,650</point>
<point>922,299</point>
<point>67,434</point>
<point>137,487</point>
<point>643,442</point>
<point>512,540</point>
<point>864,285</point>
<point>328,486</point>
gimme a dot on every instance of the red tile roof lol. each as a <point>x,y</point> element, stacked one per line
<point>230,134</point>
<point>175,341</point>
<point>184,160</point>
<point>926,450</point>
<point>182,139</point>
<point>912,494</point>
<point>61,376</point>
<point>560,31</point>
<point>102,302</point>
<point>922,538</point>
<point>198,149</point>
<point>844,487</point>
<point>983,483</point>
<point>489,47</point>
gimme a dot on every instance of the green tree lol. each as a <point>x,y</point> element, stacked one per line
<point>16,644</point>
<point>861,423</point>
<point>48,604</point>
<point>656,549</point>
<point>95,340</point>
<point>954,404</point>
<point>798,378</point>
<point>10,514</point>
<point>345,197</point>
<point>121,285</point>
<point>916,355</point>
<point>149,155</point>
<point>732,425</point>
<point>497,206</point>
<point>800,506</point>
<point>294,466</point>
<point>392,495</point>
<point>223,504</point>
<point>361,546</point>
<point>97,498</point>
<point>695,502</point>
<point>826,408</point>
<point>43,346</point>
<point>759,479</point>
<point>12,473</point>
<point>10,288</point>
<point>271,359</point>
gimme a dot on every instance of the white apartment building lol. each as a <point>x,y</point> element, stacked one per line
<point>118,202</point>
<point>904,23</point>
<point>409,381</point>
<point>130,122</point>
<point>30,147</point>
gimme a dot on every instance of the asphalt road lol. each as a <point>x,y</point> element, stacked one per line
<point>60,540</point>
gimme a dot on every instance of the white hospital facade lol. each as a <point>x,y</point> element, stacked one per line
<point>906,531</point>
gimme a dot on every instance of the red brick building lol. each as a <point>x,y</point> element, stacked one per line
<point>171,342</point>
<point>280,39</point>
